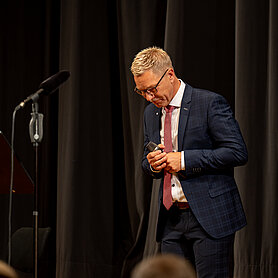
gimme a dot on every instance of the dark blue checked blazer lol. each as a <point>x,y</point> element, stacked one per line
<point>213,145</point>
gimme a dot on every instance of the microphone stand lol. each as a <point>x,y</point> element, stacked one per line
<point>36,134</point>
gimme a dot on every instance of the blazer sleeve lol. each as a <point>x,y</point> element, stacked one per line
<point>228,147</point>
<point>148,131</point>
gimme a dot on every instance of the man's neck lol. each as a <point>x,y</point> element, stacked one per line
<point>176,85</point>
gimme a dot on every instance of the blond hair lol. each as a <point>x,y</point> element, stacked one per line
<point>6,271</point>
<point>151,58</point>
<point>164,266</point>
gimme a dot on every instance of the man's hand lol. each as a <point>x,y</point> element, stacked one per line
<point>157,159</point>
<point>173,162</point>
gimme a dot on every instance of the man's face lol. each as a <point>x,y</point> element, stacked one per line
<point>165,91</point>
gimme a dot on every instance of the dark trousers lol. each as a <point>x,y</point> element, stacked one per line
<point>184,236</point>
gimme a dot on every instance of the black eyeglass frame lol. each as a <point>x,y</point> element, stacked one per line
<point>148,91</point>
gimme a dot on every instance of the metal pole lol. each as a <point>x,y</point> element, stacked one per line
<point>36,134</point>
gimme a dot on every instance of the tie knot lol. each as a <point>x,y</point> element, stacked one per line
<point>169,108</point>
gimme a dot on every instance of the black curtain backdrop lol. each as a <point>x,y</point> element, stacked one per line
<point>102,209</point>
<point>256,107</point>
<point>29,53</point>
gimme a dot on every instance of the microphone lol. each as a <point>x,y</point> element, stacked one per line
<point>152,147</point>
<point>47,86</point>
<point>53,82</point>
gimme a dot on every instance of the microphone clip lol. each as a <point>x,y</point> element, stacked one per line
<point>36,124</point>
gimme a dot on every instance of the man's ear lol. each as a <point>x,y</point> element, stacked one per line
<point>171,74</point>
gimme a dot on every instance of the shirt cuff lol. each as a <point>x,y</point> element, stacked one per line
<point>182,161</point>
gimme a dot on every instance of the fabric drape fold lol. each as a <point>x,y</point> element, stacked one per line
<point>256,109</point>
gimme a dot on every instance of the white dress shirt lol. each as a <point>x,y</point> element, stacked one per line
<point>177,192</point>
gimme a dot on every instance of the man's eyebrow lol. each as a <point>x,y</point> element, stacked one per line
<point>150,87</point>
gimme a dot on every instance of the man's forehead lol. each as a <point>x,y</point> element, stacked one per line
<point>145,80</point>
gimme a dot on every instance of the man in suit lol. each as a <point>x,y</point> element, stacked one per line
<point>201,143</point>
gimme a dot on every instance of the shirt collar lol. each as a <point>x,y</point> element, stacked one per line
<point>176,101</point>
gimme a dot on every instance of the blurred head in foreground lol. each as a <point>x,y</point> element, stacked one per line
<point>6,271</point>
<point>164,266</point>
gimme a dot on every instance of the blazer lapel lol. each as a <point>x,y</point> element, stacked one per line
<point>156,124</point>
<point>184,112</point>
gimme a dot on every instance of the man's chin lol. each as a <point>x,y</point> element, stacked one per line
<point>158,104</point>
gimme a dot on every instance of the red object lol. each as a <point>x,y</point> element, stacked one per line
<point>22,182</point>
<point>167,194</point>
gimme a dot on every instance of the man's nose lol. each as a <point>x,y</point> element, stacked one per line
<point>149,97</point>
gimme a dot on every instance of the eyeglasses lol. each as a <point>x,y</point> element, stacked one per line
<point>151,91</point>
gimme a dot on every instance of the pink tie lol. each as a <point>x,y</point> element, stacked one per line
<point>167,195</point>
